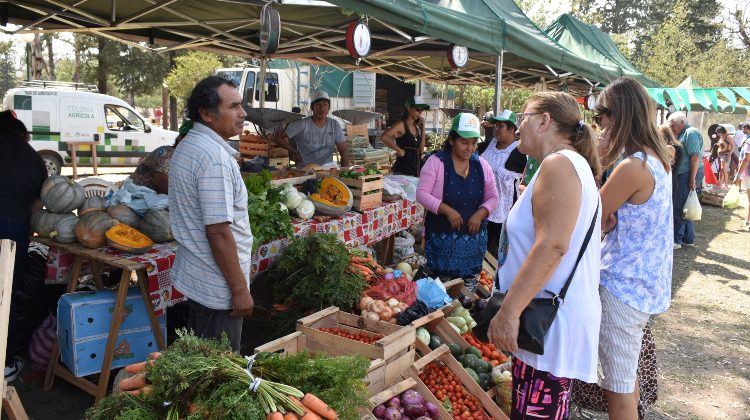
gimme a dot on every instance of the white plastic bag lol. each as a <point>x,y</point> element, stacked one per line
<point>732,199</point>
<point>692,210</point>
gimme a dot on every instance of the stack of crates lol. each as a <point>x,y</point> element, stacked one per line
<point>83,324</point>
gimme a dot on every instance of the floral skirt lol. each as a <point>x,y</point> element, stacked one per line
<point>456,254</point>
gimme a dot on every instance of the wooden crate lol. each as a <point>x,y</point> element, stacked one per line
<point>367,191</point>
<point>442,354</point>
<point>297,342</point>
<point>291,176</point>
<point>396,348</point>
<point>712,198</point>
<point>436,323</point>
<point>277,152</point>
<point>357,130</point>
<point>398,388</point>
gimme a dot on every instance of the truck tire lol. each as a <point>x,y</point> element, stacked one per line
<point>52,161</point>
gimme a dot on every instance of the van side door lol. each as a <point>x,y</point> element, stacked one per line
<point>125,138</point>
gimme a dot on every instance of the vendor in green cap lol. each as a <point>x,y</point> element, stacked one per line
<point>153,170</point>
<point>407,137</point>
<point>457,188</point>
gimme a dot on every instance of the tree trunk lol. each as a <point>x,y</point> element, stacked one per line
<point>50,59</point>
<point>101,70</point>
<point>37,58</point>
<point>77,60</point>
<point>172,100</point>
<point>164,106</point>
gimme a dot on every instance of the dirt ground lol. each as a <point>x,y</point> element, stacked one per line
<point>703,340</point>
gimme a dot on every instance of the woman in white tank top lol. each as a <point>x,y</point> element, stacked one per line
<point>546,230</point>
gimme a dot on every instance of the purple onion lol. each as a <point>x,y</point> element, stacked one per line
<point>432,410</point>
<point>413,397</point>
<point>392,413</point>
<point>393,402</point>
<point>414,410</point>
<point>379,411</point>
<point>423,418</point>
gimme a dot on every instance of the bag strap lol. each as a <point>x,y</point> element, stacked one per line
<point>586,240</point>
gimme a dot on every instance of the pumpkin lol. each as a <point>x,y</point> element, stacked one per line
<point>334,198</point>
<point>62,195</point>
<point>128,239</point>
<point>125,214</point>
<point>43,222</point>
<point>156,225</point>
<point>94,202</point>
<point>92,227</point>
<point>65,230</point>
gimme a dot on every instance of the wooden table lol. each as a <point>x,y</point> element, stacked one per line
<point>73,146</point>
<point>98,260</point>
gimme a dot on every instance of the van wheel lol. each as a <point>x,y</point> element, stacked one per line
<point>52,161</point>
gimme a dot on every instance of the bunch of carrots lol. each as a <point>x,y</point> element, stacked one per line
<point>362,263</point>
<point>314,408</point>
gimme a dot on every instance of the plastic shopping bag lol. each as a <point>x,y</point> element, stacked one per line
<point>692,210</point>
<point>432,292</point>
<point>732,199</point>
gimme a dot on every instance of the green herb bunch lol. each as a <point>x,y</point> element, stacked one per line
<point>268,219</point>
<point>311,274</point>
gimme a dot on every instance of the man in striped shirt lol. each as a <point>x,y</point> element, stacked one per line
<point>208,214</point>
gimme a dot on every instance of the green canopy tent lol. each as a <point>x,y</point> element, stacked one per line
<point>410,37</point>
<point>590,42</point>
<point>690,96</point>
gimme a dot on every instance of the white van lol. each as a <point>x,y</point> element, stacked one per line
<point>56,113</point>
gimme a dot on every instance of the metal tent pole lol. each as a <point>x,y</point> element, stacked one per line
<point>498,82</point>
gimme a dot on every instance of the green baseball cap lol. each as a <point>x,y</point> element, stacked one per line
<point>505,116</point>
<point>416,102</point>
<point>466,125</point>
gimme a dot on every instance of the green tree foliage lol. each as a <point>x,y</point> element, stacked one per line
<point>189,69</point>
<point>7,69</point>
<point>128,70</point>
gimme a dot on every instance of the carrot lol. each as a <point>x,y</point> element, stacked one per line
<point>359,260</point>
<point>275,416</point>
<point>316,405</point>
<point>291,416</point>
<point>136,368</point>
<point>310,416</point>
<point>361,268</point>
<point>298,403</point>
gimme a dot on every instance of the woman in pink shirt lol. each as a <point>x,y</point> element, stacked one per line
<point>457,187</point>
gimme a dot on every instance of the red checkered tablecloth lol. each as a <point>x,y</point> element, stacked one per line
<point>354,229</point>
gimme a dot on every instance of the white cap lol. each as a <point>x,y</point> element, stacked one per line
<point>319,95</point>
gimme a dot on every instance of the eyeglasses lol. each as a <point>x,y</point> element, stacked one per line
<point>522,115</point>
<point>601,111</point>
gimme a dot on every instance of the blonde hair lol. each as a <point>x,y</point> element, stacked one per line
<point>634,116</point>
<point>667,135</point>
<point>565,112</point>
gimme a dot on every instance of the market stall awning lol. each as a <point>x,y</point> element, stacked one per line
<point>690,96</point>
<point>590,42</point>
<point>410,37</point>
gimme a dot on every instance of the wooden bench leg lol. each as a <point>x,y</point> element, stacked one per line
<point>72,147</point>
<point>12,405</point>
<point>49,377</point>
<point>93,159</point>
<point>143,284</point>
<point>114,330</point>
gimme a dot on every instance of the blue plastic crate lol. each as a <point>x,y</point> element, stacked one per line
<point>89,314</point>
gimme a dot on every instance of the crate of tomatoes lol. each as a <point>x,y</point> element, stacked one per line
<point>460,395</point>
<point>297,342</point>
<point>345,333</point>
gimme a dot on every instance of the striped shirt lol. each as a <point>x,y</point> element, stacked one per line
<point>206,188</point>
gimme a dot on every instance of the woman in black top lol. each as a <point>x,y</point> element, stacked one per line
<point>22,172</point>
<point>407,138</point>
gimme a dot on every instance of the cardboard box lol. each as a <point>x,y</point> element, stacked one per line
<point>357,130</point>
<point>83,315</point>
<point>85,357</point>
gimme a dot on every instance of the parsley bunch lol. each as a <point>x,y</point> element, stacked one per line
<point>268,220</point>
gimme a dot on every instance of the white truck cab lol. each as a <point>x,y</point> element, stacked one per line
<point>58,113</point>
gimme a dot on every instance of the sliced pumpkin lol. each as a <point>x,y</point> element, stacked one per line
<point>333,199</point>
<point>128,239</point>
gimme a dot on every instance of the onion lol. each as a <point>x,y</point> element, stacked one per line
<point>364,313</point>
<point>386,313</point>
<point>388,276</point>
<point>373,316</point>
<point>379,411</point>
<point>413,397</point>
<point>394,402</point>
<point>392,413</point>
<point>376,306</point>
<point>393,320</point>
<point>414,410</point>
<point>364,303</point>
<point>393,302</point>
<point>403,306</point>
<point>432,410</point>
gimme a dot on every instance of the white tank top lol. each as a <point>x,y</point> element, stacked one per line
<point>571,345</point>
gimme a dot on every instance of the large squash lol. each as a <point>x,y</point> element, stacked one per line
<point>62,195</point>
<point>92,227</point>
<point>125,214</point>
<point>43,222</point>
<point>92,203</point>
<point>334,198</point>
<point>155,225</point>
<point>128,239</point>
<point>65,230</point>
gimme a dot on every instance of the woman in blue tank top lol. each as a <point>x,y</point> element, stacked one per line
<point>636,266</point>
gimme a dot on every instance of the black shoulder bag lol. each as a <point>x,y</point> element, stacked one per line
<point>537,318</point>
